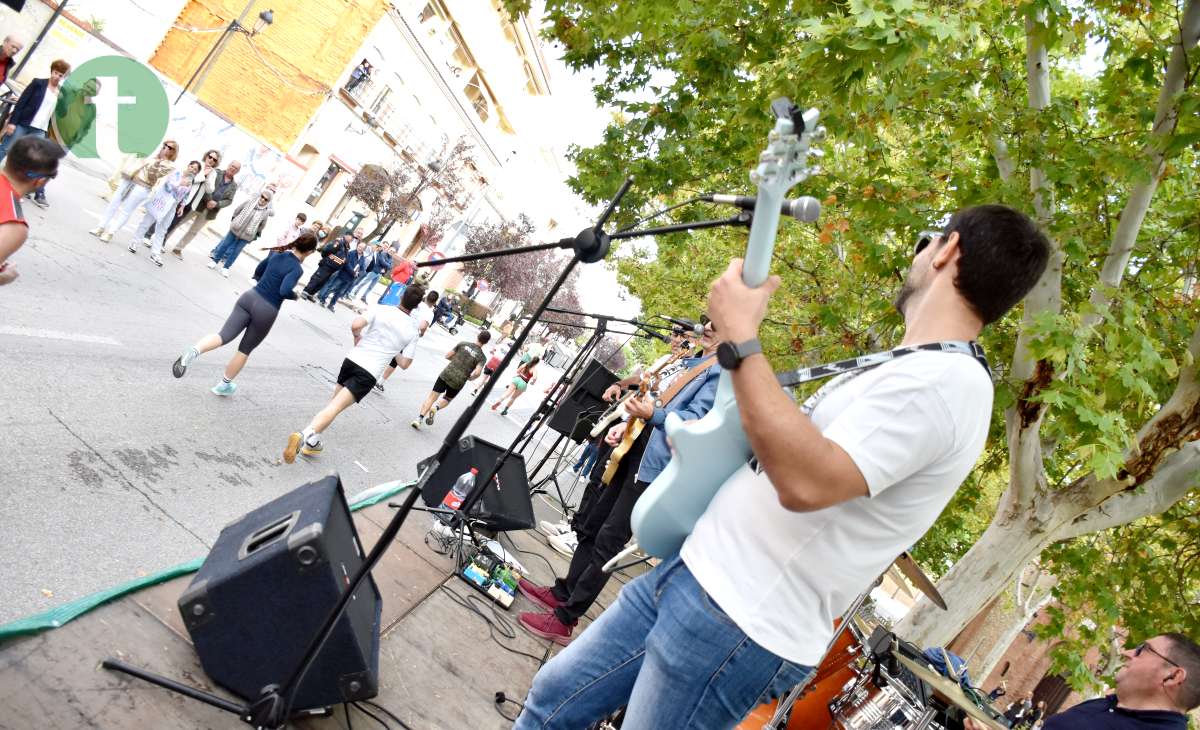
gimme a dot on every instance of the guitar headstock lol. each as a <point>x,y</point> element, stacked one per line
<point>784,162</point>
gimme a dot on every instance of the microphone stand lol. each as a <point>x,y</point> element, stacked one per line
<point>272,710</point>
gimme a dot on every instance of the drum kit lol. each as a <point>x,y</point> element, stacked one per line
<point>870,679</point>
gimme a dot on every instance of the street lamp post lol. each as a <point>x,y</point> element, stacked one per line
<point>265,18</point>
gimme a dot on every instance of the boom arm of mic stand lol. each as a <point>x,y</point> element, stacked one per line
<point>272,708</point>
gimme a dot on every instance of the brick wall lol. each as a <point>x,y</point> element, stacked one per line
<point>311,44</point>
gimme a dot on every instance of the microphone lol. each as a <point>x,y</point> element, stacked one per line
<point>688,325</point>
<point>658,336</point>
<point>806,209</point>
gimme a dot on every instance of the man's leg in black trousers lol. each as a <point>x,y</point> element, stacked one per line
<point>590,492</point>
<point>587,525</point>
<point>611,540</point>
<point>318,279</point>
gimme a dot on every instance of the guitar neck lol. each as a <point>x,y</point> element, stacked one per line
<point>761,245</point>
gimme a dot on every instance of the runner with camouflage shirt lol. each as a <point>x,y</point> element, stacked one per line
<point>466,363</point>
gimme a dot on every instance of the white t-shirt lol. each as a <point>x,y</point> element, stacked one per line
<point>914,427</point>
<point>390,331</point>
<point>41,119</point>
<point>423,313</point>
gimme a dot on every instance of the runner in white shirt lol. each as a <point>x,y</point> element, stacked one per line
<point>743,614</point>
<point>423,316</point>
<point>385,335</point>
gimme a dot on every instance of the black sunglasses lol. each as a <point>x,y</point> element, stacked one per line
<point>1145,646</point>
<point>924,238</point>
<point>706,322</point>
<point>41,175</point>
<point>211,157</point>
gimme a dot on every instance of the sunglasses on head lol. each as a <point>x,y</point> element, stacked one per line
<point>41,175</point>
<point>924,238</point>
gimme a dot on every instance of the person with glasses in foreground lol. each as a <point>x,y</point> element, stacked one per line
<point>31,163</point>
<point>1156,686</point>
<point>838,488</point>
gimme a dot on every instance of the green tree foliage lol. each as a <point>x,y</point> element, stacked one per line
<point>1083,115</point>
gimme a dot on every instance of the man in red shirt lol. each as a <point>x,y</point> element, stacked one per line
<point>402,271</point>
<point>9,49</point>
<point>31,163</point>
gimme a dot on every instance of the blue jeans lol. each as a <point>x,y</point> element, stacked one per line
<point>364,283</point>
<point>693,669</point>
<point>587,458</point>
<point>335,288</point>
<point>229,249</point>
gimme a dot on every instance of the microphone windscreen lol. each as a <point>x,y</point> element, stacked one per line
<point>807,209</point>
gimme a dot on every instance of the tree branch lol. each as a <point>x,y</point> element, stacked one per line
<point>1174,478</point>
<point>1165,117</point>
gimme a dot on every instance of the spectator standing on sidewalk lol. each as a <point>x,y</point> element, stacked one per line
<point>298,226</point>
<point>254,313</point>
<point>31,163</point>
<point>202,184</point>
<point>379,261</point>
<point>224,188</point>
<point>249,218</point>
<point>9,49</point>
<point>33,113</point>
<point>333,258</point>
<point>361,73</point>
<point>136,182</point>
<point>340,283</point>
<point>160,207</point>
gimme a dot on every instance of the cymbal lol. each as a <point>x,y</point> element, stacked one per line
<point>948,690</point>
<point>913,572</point>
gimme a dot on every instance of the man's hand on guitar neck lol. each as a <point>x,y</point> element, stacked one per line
<point>640,407</point>
<point>737,310</point>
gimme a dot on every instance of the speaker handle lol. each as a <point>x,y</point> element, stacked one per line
<point>269,535</point>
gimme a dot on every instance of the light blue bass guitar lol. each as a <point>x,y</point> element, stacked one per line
<point>710,450</point>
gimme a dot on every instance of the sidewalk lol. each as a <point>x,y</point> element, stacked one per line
<point>440,664</point>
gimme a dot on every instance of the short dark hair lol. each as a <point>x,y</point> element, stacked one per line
<point>1003,256</point>
<point>305,242</point>
<point>484,337</point>
<point>431,297</point>
<point>1186,653</point>
<point>59,66</point>
<point>412,296</point>
<point>30,157</point>
<point>302,218</point>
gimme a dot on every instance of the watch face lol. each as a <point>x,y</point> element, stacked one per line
<point>727,356</point>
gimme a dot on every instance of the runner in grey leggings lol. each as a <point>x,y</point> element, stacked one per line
<point>255,311</point>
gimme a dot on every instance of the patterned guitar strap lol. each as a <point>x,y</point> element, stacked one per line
<point>855,366</point>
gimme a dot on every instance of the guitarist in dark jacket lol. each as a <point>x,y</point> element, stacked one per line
<point>604,530</point>
<point>333,257</point>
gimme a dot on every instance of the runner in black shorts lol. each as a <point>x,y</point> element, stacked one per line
<point>384,333</point>
<point>466,362</point>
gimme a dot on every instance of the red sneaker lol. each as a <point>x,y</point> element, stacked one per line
<point>547,626</point>
<point>543,597</point>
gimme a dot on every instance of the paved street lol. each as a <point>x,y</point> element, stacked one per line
<point>113,468</point>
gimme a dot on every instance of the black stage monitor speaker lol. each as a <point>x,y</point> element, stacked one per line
<point>506,504</point>
<point>577,414</point>
<point>266,587</point>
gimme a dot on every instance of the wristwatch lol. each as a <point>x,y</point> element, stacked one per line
<point>730,355</point>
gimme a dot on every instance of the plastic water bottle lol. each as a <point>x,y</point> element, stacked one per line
<point>462,487</point>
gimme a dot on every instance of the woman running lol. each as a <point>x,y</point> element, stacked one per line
<point>520,382</point>
<point>254,312</point>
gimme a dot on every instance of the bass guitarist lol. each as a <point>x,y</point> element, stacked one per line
<point>602,525</point>
<point>744,612</point>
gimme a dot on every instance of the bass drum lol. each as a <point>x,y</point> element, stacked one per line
<point>812,709</point>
